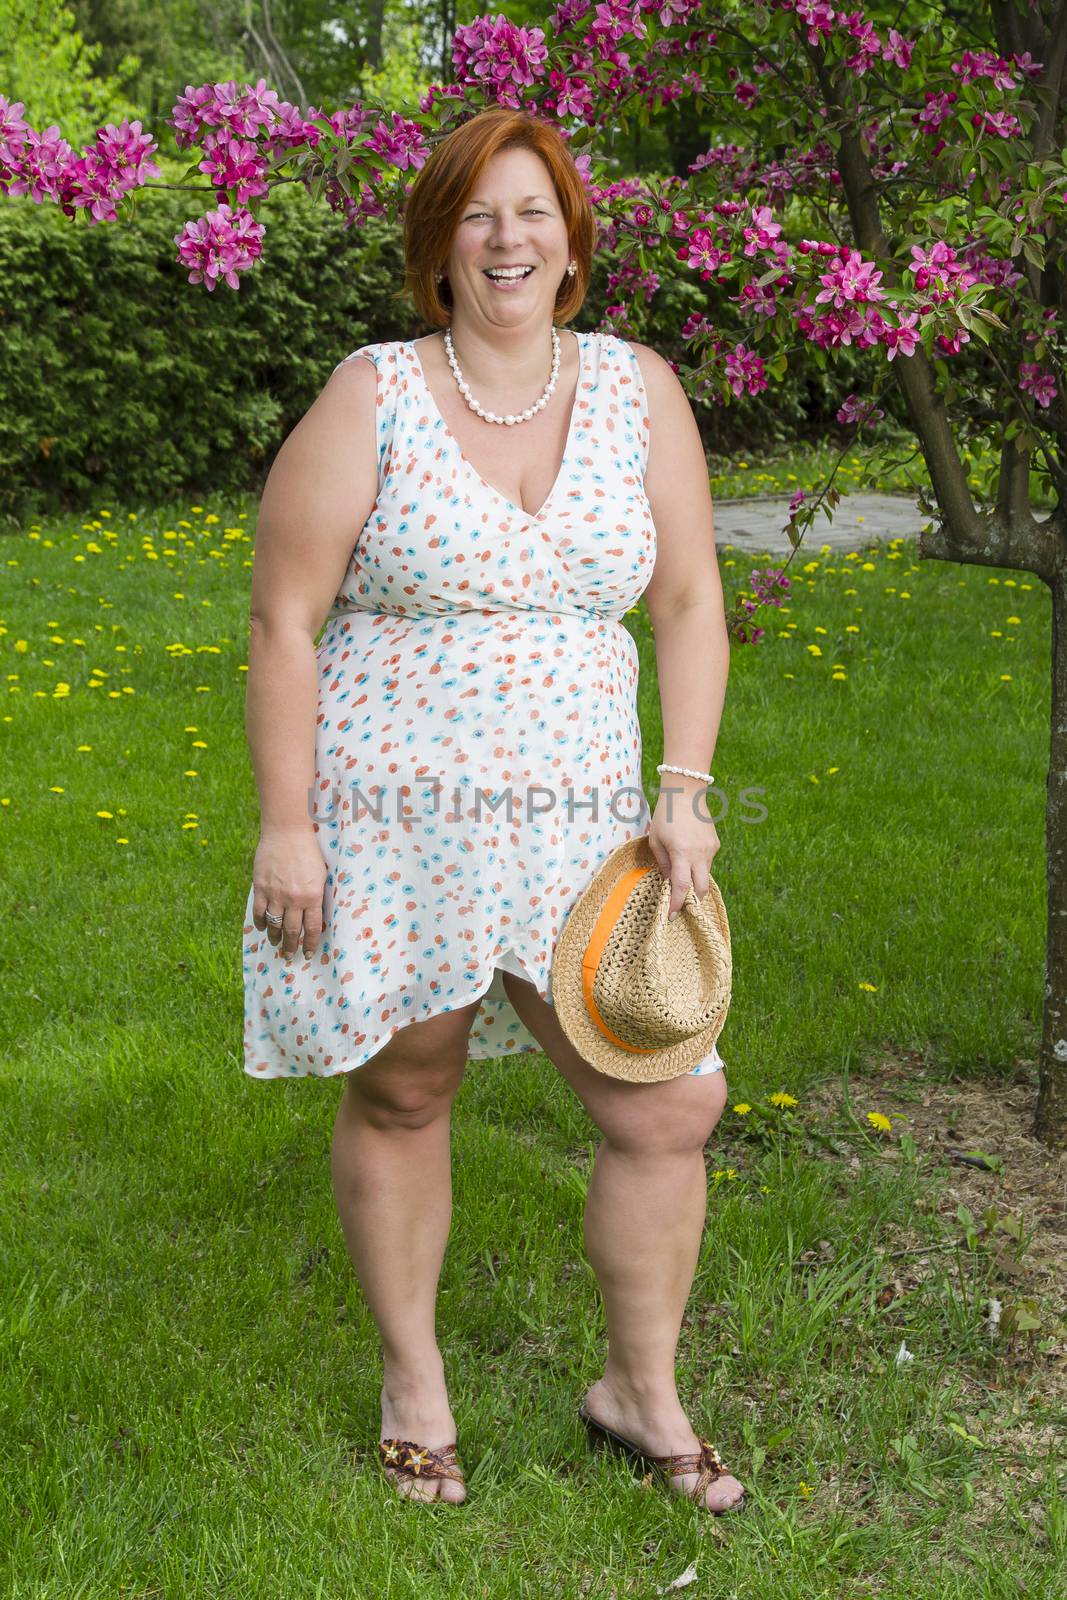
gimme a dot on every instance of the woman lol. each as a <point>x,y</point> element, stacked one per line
<point>474,574</point>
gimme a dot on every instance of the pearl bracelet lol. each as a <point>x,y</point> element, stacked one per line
<point>686,772</point>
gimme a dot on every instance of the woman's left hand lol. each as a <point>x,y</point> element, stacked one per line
<point>685,845</point>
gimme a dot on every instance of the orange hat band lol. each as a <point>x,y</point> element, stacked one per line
<point>605,922</point>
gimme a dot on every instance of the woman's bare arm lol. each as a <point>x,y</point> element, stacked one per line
<point>319,493</point>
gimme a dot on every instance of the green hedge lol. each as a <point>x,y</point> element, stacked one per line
<point>119,378</point>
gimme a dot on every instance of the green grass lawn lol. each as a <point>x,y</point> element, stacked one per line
<point>809,465</point>
<point>190,1377</point>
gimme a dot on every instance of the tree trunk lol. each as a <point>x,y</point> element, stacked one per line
<point>1050,1120</point>
<point>375,31</point>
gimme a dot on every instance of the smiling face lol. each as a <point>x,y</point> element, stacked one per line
<point>513,219</point>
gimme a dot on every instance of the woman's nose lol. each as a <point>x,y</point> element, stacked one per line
<point>505,232</point>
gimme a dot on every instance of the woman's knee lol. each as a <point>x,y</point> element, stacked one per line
<point>414,1077</point>
<point>666,1118</point>
<point>400,1098</point>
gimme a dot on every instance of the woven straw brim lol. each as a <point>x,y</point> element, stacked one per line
<point>710,943</point>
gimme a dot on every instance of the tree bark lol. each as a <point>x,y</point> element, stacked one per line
<point>1050,1120</point>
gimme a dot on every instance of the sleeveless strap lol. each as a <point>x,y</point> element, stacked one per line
<point>633,396</point>
<point>383,357</point>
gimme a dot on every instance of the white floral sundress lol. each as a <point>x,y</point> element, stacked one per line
<point>477,750</point>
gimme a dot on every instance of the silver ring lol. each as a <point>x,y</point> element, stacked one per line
<point>275,922</point>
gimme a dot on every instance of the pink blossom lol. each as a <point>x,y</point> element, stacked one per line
<point>1037,380</point>
<point>904,339</point>
<point>762,231</point>
<point>938,106</point>
<point>615,20</point>
<point>402,145</point>
<point>234,164</point>
<point>41,165</point>
<point>762,298</point>
<point>898,50</point>
<point>816,13</point>
<point>745,371</point>
<point>851,280</point>
<point>975,64</point>
<point>950,344</point>
<point>14,133</point>
<point>1001,122</point>
<point>702,254</point>
<point>859,413</point>
<point>841,327</point>
<point>497,54</point>
<point>220,245</point>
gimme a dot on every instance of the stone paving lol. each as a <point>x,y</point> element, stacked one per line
<point>755,526</point>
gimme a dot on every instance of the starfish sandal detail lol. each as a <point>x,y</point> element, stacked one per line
<point>404,1455</point>
<point>707,1463</point>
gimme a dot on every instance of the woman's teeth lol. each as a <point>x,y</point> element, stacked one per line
<point>509,280</point>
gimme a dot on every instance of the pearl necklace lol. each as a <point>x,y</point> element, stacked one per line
<point>490,416</point>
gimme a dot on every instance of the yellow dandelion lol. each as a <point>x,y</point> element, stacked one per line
<point>108,814</point>
<point>871,988</point>
<point>55,789</point>
<point>1005,677</point>
<point>806,1488</point>
<point>782,1099</point>
<point>879,1120</point>
<point>742,1108</point>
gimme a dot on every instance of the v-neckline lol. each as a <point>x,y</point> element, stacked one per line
<point>531,516</point>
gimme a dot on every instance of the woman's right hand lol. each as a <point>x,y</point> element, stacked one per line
<point>288,880</point>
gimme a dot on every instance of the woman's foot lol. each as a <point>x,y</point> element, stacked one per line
<point>661,1428</point>
<point>419,1411</point>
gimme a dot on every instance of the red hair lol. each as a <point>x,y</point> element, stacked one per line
<point>440,191</point>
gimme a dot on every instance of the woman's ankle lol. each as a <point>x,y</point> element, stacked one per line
<point>412,1372</point>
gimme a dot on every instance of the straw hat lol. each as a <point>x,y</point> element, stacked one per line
<point>640,997</point>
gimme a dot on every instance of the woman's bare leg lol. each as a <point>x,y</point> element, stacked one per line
<point>644,1218</point>
<point>392,1181</point>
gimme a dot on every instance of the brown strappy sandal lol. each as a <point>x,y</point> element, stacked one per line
<point>404,1455</point>
<point>708,1463</point>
